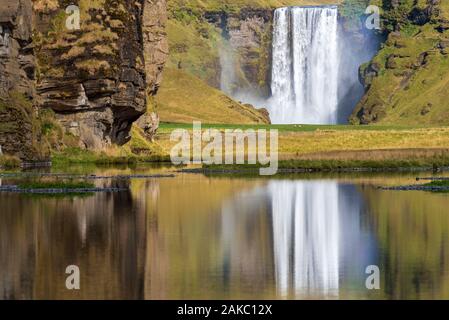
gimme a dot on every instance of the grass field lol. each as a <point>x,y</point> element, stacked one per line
<point>325,146</point>
<point>294,127</point>
<point>319,147</point>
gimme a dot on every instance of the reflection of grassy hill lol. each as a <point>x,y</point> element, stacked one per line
<point>413,230</point>
<point>185,98</point>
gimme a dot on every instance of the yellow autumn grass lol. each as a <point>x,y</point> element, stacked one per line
<point>354,144</point>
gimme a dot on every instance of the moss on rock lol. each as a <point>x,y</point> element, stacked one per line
<point>411,70</point>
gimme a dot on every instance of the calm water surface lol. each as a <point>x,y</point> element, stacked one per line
<point>205,237</point>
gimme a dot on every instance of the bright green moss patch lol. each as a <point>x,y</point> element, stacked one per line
<point>56,185</point>
<point>438,183</point>
<point>341,165</point>
<point>80,156</point>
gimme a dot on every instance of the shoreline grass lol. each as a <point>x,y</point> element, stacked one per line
<point>439,183</point>
<point>56,185</point>
<point>9,162</point>
<point>164,126</point>
<point>80,156</point>
<point>434,164</point>
<point>302,147</point>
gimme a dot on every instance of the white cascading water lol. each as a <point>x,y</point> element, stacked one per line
<point>306,235</point>
<point>304,77</point>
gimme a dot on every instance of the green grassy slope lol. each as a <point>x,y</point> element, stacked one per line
<point>183,98</point>
<point>411,86</point>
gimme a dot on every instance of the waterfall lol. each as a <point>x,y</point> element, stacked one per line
<point>304,77</point>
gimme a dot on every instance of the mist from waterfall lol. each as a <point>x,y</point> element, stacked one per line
<point>227,65</point>
<point>305,66</point>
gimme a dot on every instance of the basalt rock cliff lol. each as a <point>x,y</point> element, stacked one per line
<point>19,130</point>
<point>97,77</point>
<point>95,64</point>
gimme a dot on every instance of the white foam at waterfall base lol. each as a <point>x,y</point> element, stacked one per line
<point>304,79</point>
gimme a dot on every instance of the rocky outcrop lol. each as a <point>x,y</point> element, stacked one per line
<point>156,54</point>
<point>19,130</point>
<point>96,78</point>
<point>16,54</point>
<point>155,42</point>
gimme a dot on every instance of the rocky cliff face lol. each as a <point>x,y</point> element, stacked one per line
<point>16,54</point>
<point>155,42</point>
<point>156,54</point>
<point>249,33</point>
<point>19,130</point>
<point>96,78</point>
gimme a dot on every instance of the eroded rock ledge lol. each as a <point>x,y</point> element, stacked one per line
<point>96,79</point>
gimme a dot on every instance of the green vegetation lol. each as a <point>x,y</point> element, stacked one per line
<point>20,129</point>
<point>185,98</point>
<point>78,155</point>
<point>353,11</point>
<point>234,6</point>
<point>343,165</point>
<point>194,46</point>
<point>71,188</point>
<point>343,147</point>
<point>56,185</point>
<point>331,165</point>
<point>438,183</point>
<point>411,69</point>
<point>290,127</point>
<point>9,162</point>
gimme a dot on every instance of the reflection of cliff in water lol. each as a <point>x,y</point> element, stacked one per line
<point>103,234</point>
<point>218,238</point>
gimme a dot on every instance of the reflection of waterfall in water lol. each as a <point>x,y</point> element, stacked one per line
<point>316,244</point>
<point>305,65</point>
<point>306,235</point>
